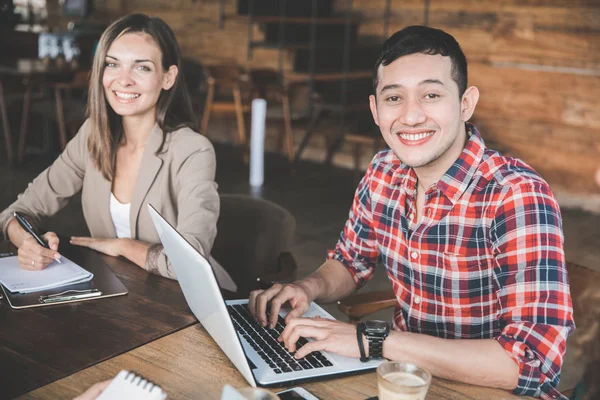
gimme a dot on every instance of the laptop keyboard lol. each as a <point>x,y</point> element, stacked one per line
<point>264,342</point>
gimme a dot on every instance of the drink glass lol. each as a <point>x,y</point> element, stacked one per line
<point>399,380</point>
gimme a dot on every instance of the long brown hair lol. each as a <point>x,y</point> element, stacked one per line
<point>173,109</point>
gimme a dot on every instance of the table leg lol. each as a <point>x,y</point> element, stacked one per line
<point>24,122</point>
<point>5,125</point>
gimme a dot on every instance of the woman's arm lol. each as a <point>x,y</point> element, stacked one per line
<point>135,251</point>
<point>197,205</point>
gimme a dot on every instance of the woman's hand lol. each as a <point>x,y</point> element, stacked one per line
<point>33,256</point>
<point>110,247</point>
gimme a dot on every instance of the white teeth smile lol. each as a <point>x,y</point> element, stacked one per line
<point>127,96</point>
<point>415,137</point>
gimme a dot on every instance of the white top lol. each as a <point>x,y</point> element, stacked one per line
<point>119,213</point>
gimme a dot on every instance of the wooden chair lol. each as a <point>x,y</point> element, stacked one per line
<point>363,136</point>
<point>224,80</point>
<point>253,242</point>
<point>75,114</point>
<point>68,111</point>
<point>269,85</point>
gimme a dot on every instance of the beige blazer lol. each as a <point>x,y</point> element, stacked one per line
<point>178,182</point>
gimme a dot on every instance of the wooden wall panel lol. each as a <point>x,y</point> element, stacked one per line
<point>566,157</point>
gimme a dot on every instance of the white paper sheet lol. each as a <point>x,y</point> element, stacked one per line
<point>17,279</point>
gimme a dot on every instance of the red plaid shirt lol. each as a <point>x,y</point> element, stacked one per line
<point>486,259</point>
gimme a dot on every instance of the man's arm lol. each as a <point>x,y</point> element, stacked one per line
<point>331,282</point>
<point>480,362</point>
<point>534,304</point>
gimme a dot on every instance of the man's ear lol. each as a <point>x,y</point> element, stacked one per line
<point>468,103</point>
<point>170,77</point>
<point>373,106</point>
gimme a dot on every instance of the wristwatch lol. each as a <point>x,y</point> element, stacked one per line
<point>375,331</point>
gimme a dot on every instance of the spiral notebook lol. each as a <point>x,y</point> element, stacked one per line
<point>127,385</point>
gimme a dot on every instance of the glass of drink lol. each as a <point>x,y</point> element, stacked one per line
<point>399,380</point>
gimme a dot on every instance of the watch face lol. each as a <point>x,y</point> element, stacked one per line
<point>376,327</point>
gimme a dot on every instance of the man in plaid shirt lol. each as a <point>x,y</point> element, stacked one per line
<point>472,240</point>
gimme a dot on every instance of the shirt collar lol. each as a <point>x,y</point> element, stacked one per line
<point>456,180</point>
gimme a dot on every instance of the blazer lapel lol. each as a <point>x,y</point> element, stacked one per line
<point>150,166</point>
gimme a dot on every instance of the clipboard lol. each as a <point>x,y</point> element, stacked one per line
<point>105,282</point>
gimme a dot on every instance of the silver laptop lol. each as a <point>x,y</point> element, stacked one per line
<point>254,350</point>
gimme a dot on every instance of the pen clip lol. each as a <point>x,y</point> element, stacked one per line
<point>70,295</point>
<point>68,292</point>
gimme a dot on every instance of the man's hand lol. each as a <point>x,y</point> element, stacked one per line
<point>277,295</point>
<point>33,256</point>
<point>110,247</point>
<point>331,335</point>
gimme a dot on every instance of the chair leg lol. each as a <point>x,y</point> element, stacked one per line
<point>60,117</point>
<point>310,128</point>
<point>287,129</point>
<point>335,145</point>
<point>5,126</point>
<point>239,113</point>
<point>207,108</point>
<point>357,153</point>
<point>24,122</point>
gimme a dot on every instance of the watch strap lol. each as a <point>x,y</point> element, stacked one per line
<point>375,347</point>
<point>361,347</point>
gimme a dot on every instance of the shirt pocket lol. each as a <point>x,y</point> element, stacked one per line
<point>465,261</point>
<point>469,270</point>
<point>468,293</point>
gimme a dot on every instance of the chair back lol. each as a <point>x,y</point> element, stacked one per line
<point>252,236</point>
<point>580,280</point>
<point>226,74</point>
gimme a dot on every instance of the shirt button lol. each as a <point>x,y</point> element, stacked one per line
<point>414,255</point>
<point>411,216</point>
<point>417,300</point>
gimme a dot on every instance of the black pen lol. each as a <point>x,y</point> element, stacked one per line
<point>31,230</point>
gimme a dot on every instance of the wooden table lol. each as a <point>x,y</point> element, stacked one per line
<point>30,72</point>
<point>43,344</point>
<point>189,365</point>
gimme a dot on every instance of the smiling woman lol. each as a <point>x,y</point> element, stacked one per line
<point>138,146</point>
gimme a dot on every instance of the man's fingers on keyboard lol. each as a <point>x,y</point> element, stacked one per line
<point>302,331</point>
<point>261,303</point>
<point>253,302</point>
<point>316,345</point>
<point>296,313</point>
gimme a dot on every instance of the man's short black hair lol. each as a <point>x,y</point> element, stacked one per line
<point>425,40</point>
